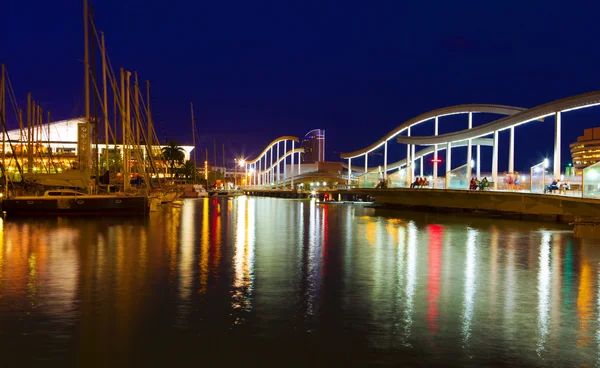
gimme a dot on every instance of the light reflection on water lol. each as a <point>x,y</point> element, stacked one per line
<point>288,279</point>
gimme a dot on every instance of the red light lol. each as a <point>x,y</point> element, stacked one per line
<point>434,160</point>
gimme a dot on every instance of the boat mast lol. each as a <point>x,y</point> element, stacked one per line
<point>3,116</point>
<point>105,107</point>
<point>84,156</point>
<point>193,139</point>
<point>127,130</point>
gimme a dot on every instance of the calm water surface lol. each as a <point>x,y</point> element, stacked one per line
<point>252,281</point>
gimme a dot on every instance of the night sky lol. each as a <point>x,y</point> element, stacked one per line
<point>258,70</point>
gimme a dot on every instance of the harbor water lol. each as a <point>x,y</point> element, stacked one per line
<point>262,281</point>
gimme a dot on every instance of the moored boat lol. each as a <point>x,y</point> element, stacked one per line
<point>71,202</point>
<point>194,191</point>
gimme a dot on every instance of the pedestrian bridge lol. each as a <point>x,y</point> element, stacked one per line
<point>277,166</point>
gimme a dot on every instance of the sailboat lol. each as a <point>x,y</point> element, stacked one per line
<point>72,201</point>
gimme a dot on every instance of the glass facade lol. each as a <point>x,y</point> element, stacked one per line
<point>591,181</point>
<point>537,179</point>
<point>457,178</point>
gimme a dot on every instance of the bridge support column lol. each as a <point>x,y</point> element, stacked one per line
<point>435,156</point>
<point>292,168</point>
<point>259,173</point>
<point>385,160</point>
<point>408,169</point>
<point>278,172</point>
<point>495,161</point>
<point>470,150</point>
<point>448,157</point>
<point>349,171</point>
<point>284,162</point>
<point>412,161</point>
<point>366,163</point>
<point>478,163</point>
<point>421,168</point>
<point>557,136</point>
<point>271,171</point>
<point>511,151</point>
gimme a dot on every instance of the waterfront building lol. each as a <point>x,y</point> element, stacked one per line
<point>586,151</point>
<point>54,148</point>
<point>314,146</point>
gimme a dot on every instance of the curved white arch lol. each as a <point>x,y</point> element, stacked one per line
<point>282,158</point>
<point>274,142</point>
<point>486,142</point>
<point>451,110</point>
<point>566,104</point>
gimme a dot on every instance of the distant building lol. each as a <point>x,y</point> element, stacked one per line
<point>314,146</point>
<point>56,149</point>
<point>586,151</point>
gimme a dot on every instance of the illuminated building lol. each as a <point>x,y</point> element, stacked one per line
<point>55,147</point>
<point>586,151</point>
<point>314,146</point>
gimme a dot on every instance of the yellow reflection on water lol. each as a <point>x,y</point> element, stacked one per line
<point>244,257</point>
<point>204,245</point>
<point>188,236</point>
<point>371,232</point>
<point>31,279</point>
<point>584,304</point>
<point>544,276</point>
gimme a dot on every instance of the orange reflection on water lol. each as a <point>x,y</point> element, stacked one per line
<point>204,238</point>
<point>584,304</point>
<point>371,232</point>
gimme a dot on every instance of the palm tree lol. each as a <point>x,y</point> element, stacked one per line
<point>173,153</point>
<point>188,169</point>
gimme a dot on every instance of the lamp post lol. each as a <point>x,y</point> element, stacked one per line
<point>239,162</point>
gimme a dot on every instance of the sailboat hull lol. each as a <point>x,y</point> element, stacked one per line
<point>80,205</point>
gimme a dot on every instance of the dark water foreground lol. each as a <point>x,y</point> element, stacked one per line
<point>272,282</point>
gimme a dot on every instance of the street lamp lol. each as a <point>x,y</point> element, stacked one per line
<point>240,162</point>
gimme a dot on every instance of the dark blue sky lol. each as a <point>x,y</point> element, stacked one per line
<point>258,70</point>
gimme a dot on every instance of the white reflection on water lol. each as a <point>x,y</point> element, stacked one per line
<point>510,291</point>
<point>243,282</point>
<point>470,287</point>
<point>544,276</point>
<point>188,235</point>
<point>314,259</point>
<point>411,280</point>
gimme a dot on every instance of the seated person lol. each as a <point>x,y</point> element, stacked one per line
<point>484,183</point>
<point>416,183</point>
<point>473,183</point>
<point>565,186</point>
<point>551,187</point>
<point>424,182</point>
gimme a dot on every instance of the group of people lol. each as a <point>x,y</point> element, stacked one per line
<point>512,181</point>
<point>420,182</point>
<point>557,185</point>
<point>475,183</point>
